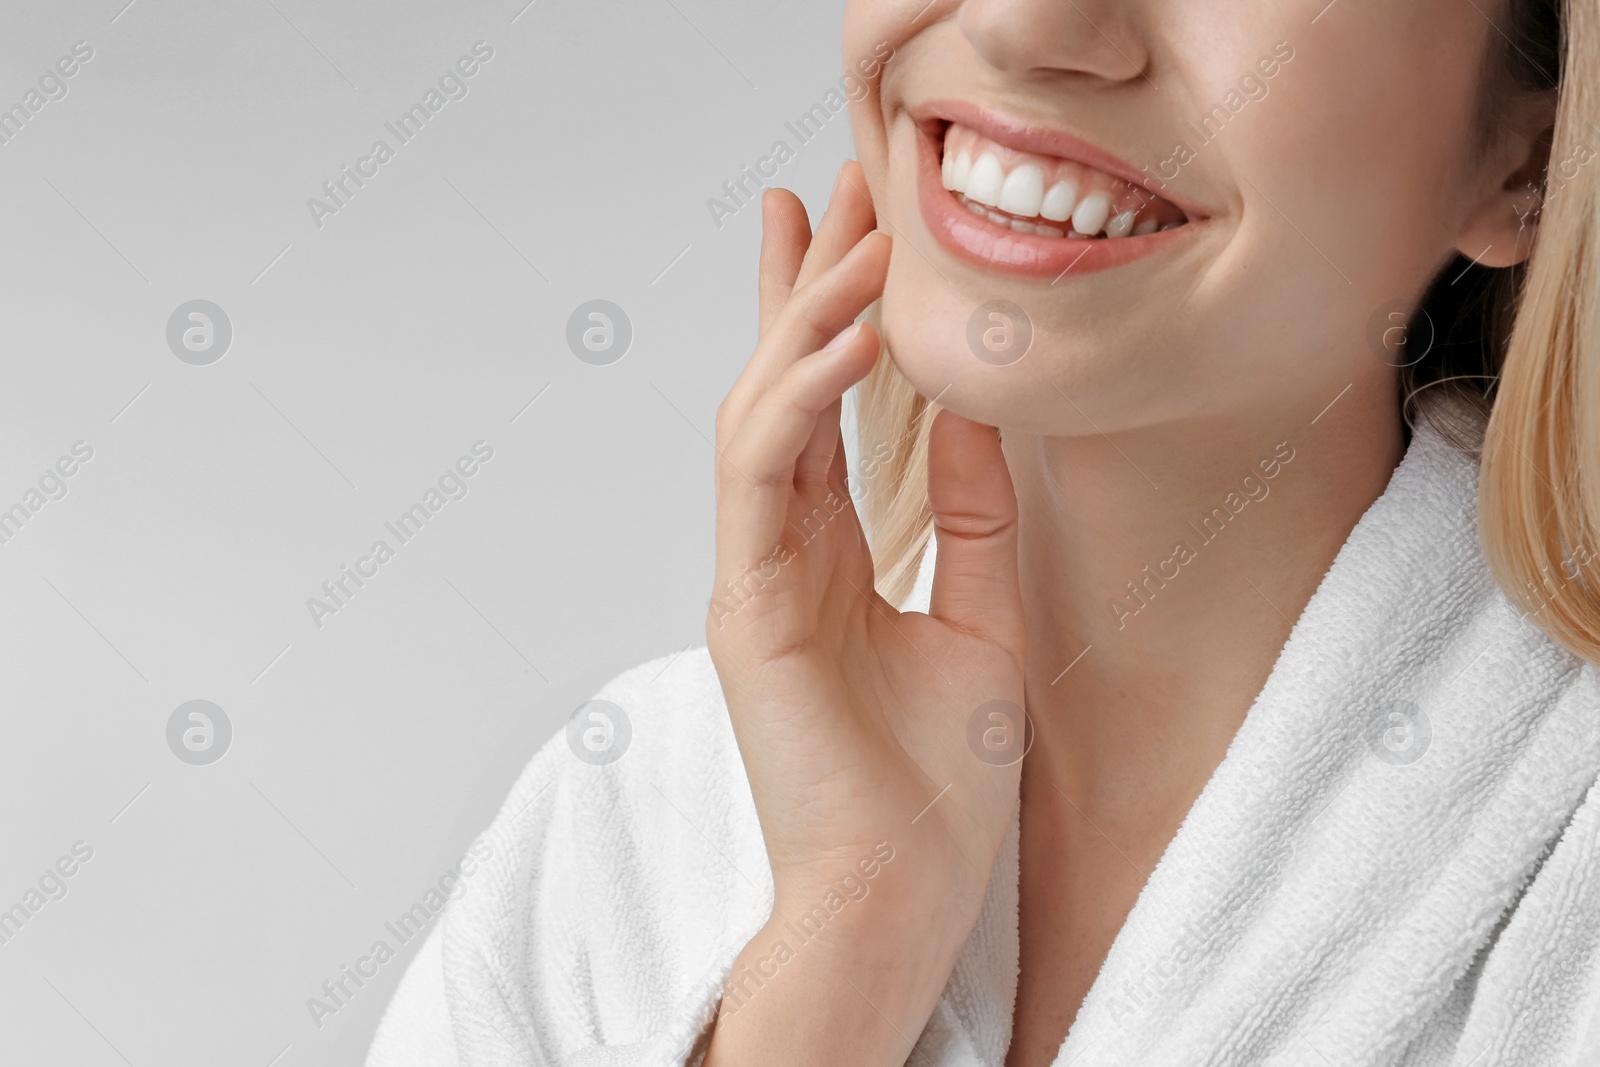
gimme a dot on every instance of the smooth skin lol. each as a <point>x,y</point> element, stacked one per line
<point>1150,391</point>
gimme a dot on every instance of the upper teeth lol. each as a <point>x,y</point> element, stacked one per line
<point>1059,201</point>
<point>1022,192</point>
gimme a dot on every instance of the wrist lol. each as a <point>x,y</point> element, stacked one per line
<point>917,879</point>
<point>855,988</point>
<point>847,968</point>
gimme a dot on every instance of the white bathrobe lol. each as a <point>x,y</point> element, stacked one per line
<point>1396,863</point>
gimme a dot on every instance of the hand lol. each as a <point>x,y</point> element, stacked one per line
<point>851,716</point>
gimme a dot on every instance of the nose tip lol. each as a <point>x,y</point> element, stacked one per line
<point>1033,38</point>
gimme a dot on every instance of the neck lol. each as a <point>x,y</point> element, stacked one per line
<point>1164,568</point>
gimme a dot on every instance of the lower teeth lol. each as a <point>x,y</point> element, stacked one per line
<point>1042,228</point>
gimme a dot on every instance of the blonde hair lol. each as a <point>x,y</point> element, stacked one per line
<point>1518,343</point>
<point>1539,493</point>
<point>890,412</point>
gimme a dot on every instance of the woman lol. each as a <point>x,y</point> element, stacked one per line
<point>1312,723</point>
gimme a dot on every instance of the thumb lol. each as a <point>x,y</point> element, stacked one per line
<point>975,584</point>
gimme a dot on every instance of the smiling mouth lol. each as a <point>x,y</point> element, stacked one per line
<point>1004,195</point>
<point>1047,196</point>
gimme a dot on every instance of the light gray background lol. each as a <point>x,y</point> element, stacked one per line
<point>367,356</point>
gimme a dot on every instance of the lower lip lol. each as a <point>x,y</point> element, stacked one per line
<point>989,246</point>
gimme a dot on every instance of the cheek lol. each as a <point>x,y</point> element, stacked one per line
<point>870,31</point>
<point>924,323</point>
<point>871,146</point>
<point>1344,195</point>
<point>879,42</point>
<point>1350,160</point>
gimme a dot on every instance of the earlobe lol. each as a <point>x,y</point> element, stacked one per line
<point>1499,230</point>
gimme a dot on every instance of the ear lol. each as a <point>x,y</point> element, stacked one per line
<point>1498,228</point>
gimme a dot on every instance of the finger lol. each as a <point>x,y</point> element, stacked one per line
<point>848,218</point>
<point>974,505</point>
<point>785,236</point>
<point>816,458</point>
<point>755,470</point>
<point>809,320</point>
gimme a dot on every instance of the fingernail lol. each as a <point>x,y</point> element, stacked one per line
<point>844,337</point>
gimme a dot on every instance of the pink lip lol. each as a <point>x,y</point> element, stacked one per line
<point>990,246</point>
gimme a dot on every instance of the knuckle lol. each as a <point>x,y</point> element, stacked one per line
<point>727,477</point>
<point>792,387</point>
<point>823,319</point>
<point>811,312</point>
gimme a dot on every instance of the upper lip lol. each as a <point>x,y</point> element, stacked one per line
<point>1024,136</point>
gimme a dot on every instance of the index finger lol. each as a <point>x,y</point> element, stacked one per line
<point>785,236</point>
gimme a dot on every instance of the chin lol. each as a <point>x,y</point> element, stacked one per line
<point>926,328</point>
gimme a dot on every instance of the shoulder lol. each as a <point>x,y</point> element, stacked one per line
<point>653,748</point>
<point>1538,989</point>
<point>1538,681</point>
<point>640,801</point>
<point>622,874</point>
<point>1476,649</point>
